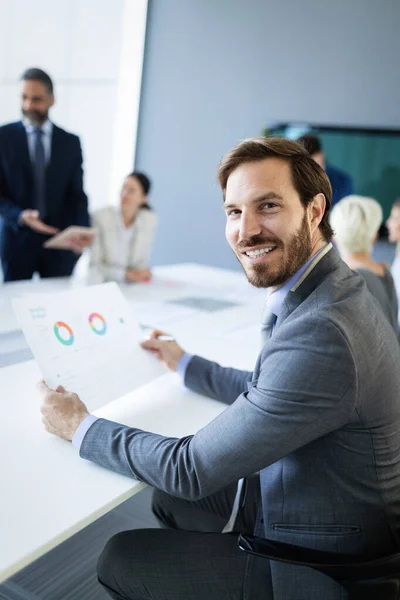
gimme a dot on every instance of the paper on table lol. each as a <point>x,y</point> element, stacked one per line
<point>60,240</point>
<point>87,340</point>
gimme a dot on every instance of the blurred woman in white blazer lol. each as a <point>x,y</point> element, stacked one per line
<point>122,247</point>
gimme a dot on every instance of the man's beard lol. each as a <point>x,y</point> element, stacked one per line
<point>36,117</point>
<point>298,251</point>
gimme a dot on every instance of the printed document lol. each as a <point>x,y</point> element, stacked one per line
<point>87,340</point>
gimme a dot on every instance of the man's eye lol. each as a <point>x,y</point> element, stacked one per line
<point>268,205</point>
<point>233,212</point>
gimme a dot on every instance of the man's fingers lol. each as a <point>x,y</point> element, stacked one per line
<point>48,229</point>
<point>49,428</point>
<point>43,388</point>
<point>152,344</point>
<point>156,333</point>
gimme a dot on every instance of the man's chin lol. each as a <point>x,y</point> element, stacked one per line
<point>35,120</point>
<point>259,278</point>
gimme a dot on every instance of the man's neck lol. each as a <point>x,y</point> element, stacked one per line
<point>30,123</point>
<point>315,248</point>
<point>317,245</point>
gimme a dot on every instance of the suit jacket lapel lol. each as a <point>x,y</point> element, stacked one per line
<point>308,284</point>
<point>54,152</point>
<point>54,166</point>
<point>23,148</point>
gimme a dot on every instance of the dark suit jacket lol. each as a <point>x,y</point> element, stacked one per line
<point>319,418</point>
<point>66,201</point>
<point>341,182</point>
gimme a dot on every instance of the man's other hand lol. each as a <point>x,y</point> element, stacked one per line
<point>168,352</point>
<point>62,411</point>
<point>30,218</point>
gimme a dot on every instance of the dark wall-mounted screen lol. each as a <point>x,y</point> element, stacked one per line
<point>370,156</point>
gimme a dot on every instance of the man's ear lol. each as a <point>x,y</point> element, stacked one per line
<point>317,210</point>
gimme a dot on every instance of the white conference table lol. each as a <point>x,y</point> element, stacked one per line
<point>48,492</point>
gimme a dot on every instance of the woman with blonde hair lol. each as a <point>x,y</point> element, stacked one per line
<point>356,221</point>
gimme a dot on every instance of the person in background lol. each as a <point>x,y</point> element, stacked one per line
<point>393,225</point>
<point>356,221</point>
<point>341,182</point>
<point>124,239</point>
<point>41,187</point>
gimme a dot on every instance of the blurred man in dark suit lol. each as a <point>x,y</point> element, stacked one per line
<point>341,182</point>
<point>41,188</point>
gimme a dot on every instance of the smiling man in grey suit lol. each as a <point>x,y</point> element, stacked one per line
<point>318,420</point>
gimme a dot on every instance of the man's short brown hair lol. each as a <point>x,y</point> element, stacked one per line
<point>308,178</point>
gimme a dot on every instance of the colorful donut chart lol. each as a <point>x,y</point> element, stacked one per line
<point>98,328</point>
<point>61,327</point>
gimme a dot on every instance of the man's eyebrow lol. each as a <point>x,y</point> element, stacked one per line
<point>262,198</point>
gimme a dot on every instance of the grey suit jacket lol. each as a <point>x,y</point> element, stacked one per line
<point>319,418</point>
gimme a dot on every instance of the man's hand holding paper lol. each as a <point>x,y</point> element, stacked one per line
<point>62,411</point>
<point>167,350</point>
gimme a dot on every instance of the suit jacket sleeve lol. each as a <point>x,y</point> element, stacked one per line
<point>307,387</point>
<point>9,210</point>
<point>212,380</point>
<point>77,196</point>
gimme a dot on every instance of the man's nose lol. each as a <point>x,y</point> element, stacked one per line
<point>249,225</point>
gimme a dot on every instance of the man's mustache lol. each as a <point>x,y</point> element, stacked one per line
<point>257,240</point>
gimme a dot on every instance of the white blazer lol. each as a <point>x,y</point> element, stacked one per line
<point>103,262</point>
<point>395,269</point>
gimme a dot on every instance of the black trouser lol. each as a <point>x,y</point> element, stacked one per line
<point>191,561</point>
<point>24,255</point>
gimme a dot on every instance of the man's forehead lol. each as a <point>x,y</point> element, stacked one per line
<point>272,175</point>
<point>34,87</point>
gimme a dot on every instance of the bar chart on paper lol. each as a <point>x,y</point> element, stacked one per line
<point>87,341</point>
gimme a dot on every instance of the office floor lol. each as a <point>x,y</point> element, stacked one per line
<point>69,571</point>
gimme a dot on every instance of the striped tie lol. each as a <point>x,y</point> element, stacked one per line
<point>267,324</point>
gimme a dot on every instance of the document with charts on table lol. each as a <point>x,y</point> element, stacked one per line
<point>87,340</point>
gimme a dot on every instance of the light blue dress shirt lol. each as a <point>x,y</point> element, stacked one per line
<point>274,303</point>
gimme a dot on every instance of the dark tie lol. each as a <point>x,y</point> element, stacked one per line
<point>39,173</point>
<point>267,324</point>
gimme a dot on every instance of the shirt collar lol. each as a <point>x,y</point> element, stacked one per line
<point>47,126</point>
<point>275,300</point>
<point>121,221</point>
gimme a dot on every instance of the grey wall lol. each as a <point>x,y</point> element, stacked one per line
<point>216,71</point>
